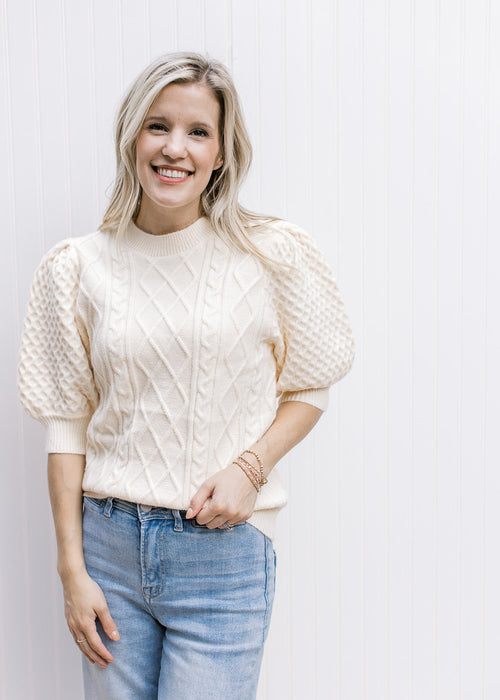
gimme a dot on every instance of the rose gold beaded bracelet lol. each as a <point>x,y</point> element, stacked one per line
<point>256,477</point>
<point>249,474</point>
<point>263,479</point>
<point>250,466</point>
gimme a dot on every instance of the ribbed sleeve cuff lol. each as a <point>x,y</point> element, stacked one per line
<point>316,397</point>
<point>67,435</point>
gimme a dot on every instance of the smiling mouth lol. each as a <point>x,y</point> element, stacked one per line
<point>172,173</point>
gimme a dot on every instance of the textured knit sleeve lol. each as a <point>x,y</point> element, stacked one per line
<point>316,346</point>
<point>54,377</point>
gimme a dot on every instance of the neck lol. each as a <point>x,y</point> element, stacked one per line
<point>157,224</point>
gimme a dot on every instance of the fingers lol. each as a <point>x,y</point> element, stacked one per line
<point>214,514</point>
<point>107,623</point>
<point>232,499</point>
<point>199,498</point>
<point>86,650</point>
<point>91,645</point>
<point>84,646</point>
<point>84,603</point>
<point>96,646</point>
<point>229,516</point>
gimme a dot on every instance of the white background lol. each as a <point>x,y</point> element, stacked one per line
<point>375,125</point>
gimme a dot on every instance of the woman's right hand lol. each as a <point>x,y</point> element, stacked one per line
<point>84,601</point>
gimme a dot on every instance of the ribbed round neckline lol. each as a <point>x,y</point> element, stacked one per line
<point>167,243</point>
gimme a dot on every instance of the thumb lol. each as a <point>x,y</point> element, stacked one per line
<point>108,623</point>
<point>199,498</point>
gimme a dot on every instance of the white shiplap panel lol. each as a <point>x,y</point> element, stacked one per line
<point>474,71</point>
<point>449,167</point>
<point>9,318</point>
<point>244,38</point>
<point>78,134</point>
<point>20,116</point>
<point>107,87</point>
<point>217,30</point>
<point>349,425</point>
<point>191,25</point>
<point>55,210</point>
<point>297,46</point>
<point>490,609</point>
<point>400,163</point>
<point>163,27</point>
<point>373,353</point>
<point>423,513</point>
<point>135,26</point>
<point>272,141</point>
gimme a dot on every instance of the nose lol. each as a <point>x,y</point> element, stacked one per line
<point>174,144</point>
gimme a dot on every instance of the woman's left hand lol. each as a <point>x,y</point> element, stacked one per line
<point>226,496</point>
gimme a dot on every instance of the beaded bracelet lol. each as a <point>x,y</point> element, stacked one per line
<point>257,478</point>
<point>253,469</point>
<point>248,473</point>
<point>263,479</point>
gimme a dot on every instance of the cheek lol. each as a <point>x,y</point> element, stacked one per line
<point>143,150</point>
<point>208,157</point>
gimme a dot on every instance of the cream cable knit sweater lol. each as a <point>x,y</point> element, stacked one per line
<point>164,365</point>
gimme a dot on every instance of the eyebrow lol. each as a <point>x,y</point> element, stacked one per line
<point>195,123</point>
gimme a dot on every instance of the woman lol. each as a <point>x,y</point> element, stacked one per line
<point>153,351</point>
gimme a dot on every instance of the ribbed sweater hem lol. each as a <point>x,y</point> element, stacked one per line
<point>316,397</point>
<point>155,245</point>
<point>66,435</point>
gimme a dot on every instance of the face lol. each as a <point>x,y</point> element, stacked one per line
<point>176,151</point>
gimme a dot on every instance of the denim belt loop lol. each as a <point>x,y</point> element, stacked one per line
<point>108,508</point>
<point>178,527</point>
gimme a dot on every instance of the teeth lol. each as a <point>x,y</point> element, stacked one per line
<point>172,173</point>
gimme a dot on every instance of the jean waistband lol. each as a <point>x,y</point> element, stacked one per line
<point>136,509</point>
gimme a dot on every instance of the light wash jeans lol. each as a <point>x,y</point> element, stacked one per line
<point>192,604</point>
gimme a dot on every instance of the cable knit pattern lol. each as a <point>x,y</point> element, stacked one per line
<point>56,385</point>
<point>161,364</point>
<point>315,347</point>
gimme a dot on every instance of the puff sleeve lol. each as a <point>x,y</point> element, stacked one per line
<point>315,347</point>
<point>54,377</point>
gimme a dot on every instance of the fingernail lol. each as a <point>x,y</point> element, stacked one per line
<point>189,512</point>
<point>115,634</point>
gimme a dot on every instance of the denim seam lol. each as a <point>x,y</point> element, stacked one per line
<point>266,588</point>
<point>158,589</point>
<point>145,589</point>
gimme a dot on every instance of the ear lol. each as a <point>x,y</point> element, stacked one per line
<point>218,163</point>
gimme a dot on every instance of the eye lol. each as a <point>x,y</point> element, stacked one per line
<point>199,132</point>
<point>156,126</point>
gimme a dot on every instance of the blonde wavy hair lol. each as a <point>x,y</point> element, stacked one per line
<point>232,222</point>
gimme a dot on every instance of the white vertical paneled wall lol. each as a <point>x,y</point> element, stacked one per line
<point>375,126</point>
